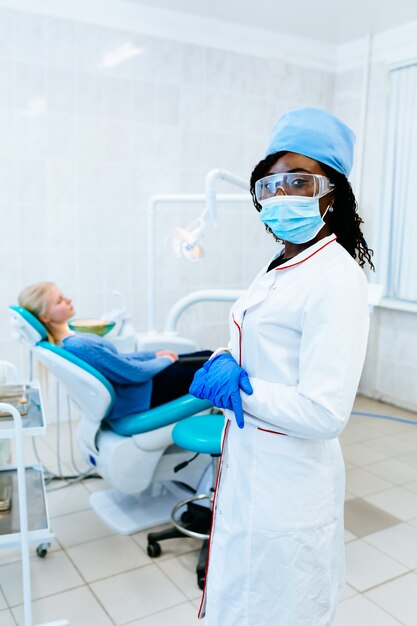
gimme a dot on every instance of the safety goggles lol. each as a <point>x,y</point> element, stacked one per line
<point>293,184</point>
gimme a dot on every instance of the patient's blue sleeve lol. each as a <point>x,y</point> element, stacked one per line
<point>140,356</point>
<point>120,368</point>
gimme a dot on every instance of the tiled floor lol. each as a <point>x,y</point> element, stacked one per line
<point>93,577</point>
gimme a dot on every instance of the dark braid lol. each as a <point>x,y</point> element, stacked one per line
<point>344,221</point>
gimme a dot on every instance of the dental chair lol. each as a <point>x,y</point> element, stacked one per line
<point>136,455</point>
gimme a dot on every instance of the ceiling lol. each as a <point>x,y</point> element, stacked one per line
<point>330,21</point>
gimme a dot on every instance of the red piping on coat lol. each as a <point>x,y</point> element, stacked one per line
<point>212,518</point>
<point>275,432</point>
<point>307,257</point>
<point>240,340</point>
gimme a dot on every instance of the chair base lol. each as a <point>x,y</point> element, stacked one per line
<point>195,522</point>
<point>202,565</point>
<point>126,514</point>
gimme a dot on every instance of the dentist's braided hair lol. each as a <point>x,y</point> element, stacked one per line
<point>344,221</point>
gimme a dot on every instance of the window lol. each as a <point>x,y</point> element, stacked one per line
<point>400,187</point>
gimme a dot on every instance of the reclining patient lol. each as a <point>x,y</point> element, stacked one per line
<point>141,380</point>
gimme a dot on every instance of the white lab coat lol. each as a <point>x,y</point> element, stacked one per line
<point>276,552</point>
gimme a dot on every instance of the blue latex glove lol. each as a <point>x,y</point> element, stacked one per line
<point>220,381</point>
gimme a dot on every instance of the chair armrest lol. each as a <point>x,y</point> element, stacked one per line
<point>163,415</point>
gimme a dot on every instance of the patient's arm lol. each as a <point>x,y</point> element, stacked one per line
<point>116,367</point>
<point>168,353</point>
<point>140,356</point>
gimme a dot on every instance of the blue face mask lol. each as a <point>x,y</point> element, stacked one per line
<point>293,218</point>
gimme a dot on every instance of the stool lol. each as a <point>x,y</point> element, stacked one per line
<point>201,434</point>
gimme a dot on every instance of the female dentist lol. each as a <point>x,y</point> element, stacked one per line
<point>288,381</point>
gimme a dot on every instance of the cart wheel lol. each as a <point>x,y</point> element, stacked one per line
<point>200,581</point>
<point>153,549</point>
<point>42,550</point>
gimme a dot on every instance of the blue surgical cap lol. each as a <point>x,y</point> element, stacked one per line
<point>315,134</point>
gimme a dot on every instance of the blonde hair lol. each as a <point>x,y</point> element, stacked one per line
<point>35,299</point>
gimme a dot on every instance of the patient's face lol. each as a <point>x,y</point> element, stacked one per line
<point>59,308</point>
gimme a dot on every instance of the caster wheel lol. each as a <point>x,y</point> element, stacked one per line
<point>200,582</point>
<point>41,551</point>
<point>153,550</point>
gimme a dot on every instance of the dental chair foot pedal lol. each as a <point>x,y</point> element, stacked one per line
<point>130,514</point>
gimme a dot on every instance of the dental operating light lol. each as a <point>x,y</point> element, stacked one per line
<point>185,242</point>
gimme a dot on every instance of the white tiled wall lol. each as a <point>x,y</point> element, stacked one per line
<point>82,148</point>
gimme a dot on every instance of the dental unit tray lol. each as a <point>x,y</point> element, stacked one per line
<point>26,399</point>
<point>17,396</point>
<point>37,512</point>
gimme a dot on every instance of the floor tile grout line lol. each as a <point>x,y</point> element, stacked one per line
<point>381,584</point>
<point>173,581</point>
<point>92,582</point>
<point>65,591</point>
<point>361,496</point>
<point>49,595</point>
<point>8,606</point>
<point>128,570</point>
<point>100,604</point>
<point>408,489</point>
<point>368,468</point>
<point>83,585</point>
<point>82,543</point>
<point>89,588</point>
<point>410,569</point>
<point>380,607</point>
<point>53,517</point>
<point>391,485</point>
<point>10,612</point>
<point>362,595</point>
<point>135,619</point>
<point>112,534</point>
<point>157,613</point>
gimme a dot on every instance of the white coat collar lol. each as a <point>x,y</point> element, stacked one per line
<point>265,280</point>
<point>304,255</point>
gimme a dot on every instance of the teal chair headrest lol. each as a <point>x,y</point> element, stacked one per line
<point>27,325</point>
